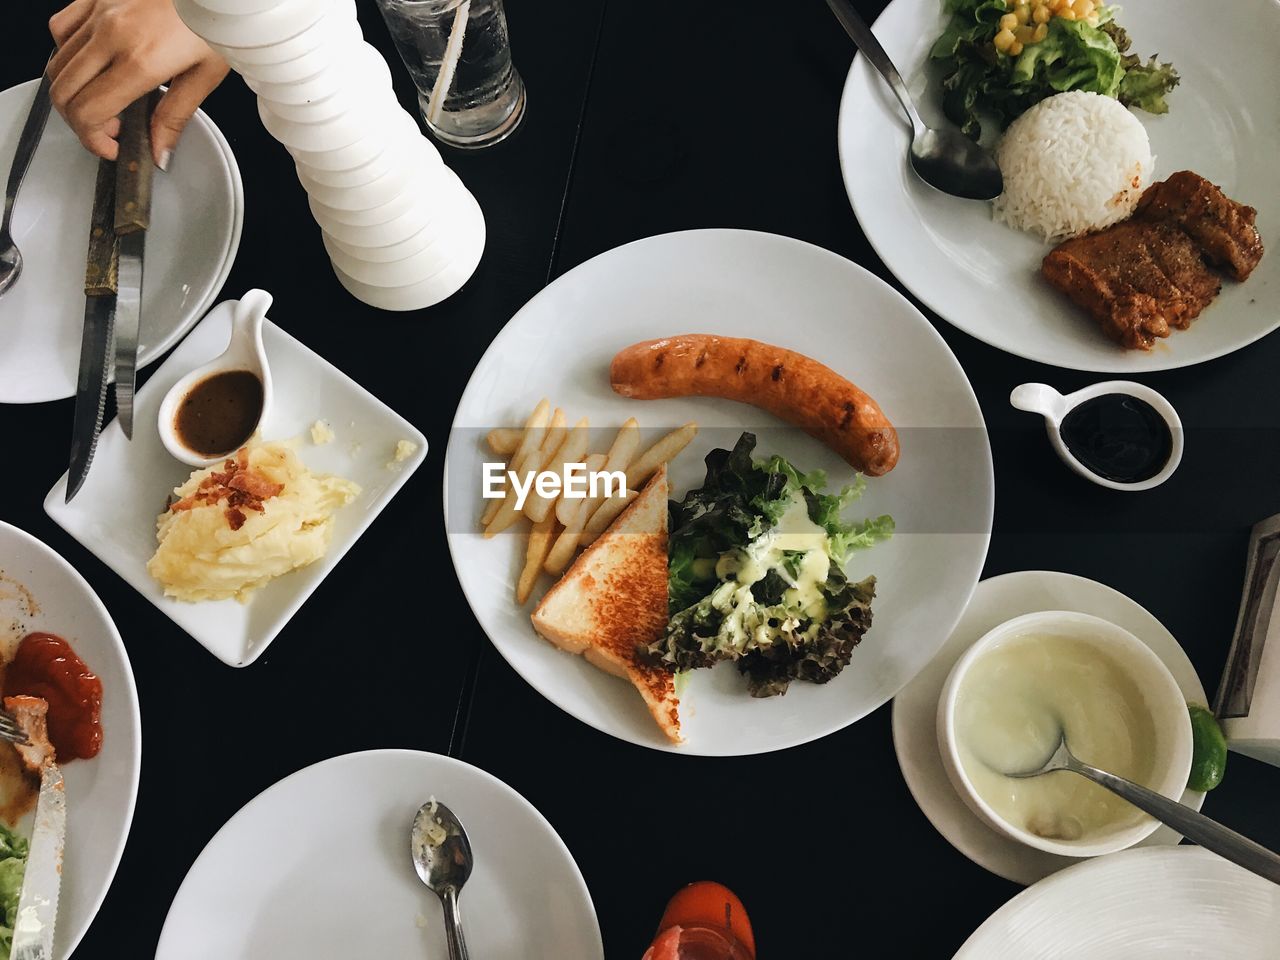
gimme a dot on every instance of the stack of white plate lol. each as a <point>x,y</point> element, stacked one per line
<point>400,228</point>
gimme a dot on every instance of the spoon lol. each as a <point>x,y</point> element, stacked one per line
<point>244,352</point>
<point>1190,823</point>
<point>443,865</point>
<point>946,160</point>
<point>28,140</point>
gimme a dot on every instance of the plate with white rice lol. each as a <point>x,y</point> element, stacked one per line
<point>977,265</point>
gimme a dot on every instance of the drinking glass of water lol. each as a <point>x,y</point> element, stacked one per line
<point>459,56</point>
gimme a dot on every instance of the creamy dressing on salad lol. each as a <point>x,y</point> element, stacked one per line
<point>796,548</point>
<point>1014,701</point>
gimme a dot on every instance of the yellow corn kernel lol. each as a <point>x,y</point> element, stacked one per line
<point>1059,5</point>
<point>1023,34</point>
<point>1083,8</point>
<point>1015,48</point>
<point>1041,31</point>
<point>1008,21</point>
<point>1067,14</point>
<point>1022,12</point>
<point>1093,19</point>
<point>1003,40</point>
<point>1041,13</point>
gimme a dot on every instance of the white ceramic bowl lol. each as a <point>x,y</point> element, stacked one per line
<point>393,132</point>
<point>1049,403</point>
<point>438,212</point>
<point>282,31</point>
<point>1162,696</point>
<point>465,236</point>
<point>357,74</point>
<point>418,163</point>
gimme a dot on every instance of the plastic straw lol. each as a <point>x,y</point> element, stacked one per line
<point>449,62</point>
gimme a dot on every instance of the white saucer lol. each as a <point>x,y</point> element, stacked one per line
<point>318,867</point>
<point>915,708</point>
<point>196,217</point>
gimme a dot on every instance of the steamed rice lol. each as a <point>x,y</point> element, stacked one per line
<point>1073,163</point>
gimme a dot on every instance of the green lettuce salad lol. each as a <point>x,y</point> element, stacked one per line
<point>1073,56</point>
<point>13,863</point>
<point>756,573</point>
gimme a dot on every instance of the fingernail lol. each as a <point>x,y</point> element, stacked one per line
<point>163,162</point>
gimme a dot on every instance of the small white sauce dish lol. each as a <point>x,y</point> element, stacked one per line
<point>1053,406</point>
<point>244,352</point>
<point>1157,702</point>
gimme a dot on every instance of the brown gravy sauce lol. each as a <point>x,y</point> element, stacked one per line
<point>219,413</point>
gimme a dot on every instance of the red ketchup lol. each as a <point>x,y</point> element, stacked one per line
<point>704,921</point>
<point>45,666</point>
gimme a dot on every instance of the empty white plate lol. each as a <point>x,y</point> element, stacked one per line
<point>1146,904</point>
<point>915,709</point>
<point>114,514</point>
<point>983,276</point>
<point>317,867</point>
<point>196,215</point>
<point>782,291</point>
<point>100,791</point>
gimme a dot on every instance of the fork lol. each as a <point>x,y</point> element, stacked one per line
<point>11,730</point>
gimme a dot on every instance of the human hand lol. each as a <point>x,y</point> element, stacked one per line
<point>111,52</point>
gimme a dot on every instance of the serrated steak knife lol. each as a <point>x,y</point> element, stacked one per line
<point>100,274</point>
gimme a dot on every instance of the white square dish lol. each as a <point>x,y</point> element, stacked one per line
<point>114,514</point>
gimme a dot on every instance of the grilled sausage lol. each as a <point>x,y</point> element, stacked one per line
<point>789,385</point>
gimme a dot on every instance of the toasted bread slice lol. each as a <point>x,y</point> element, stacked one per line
<point>614,598</point>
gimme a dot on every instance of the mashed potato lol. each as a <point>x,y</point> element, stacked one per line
<point>238,524</point>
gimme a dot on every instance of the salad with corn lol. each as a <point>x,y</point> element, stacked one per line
<point>1001,57</point>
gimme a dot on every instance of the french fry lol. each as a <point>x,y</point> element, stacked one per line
<point>562,551</point>
<point>530,439</point>
<point>665,450</point>
<point>605,514</point>
<point>620,454</point>
<point>571,450</point>
<point>534,462</point>
<point>503,440</point>
<point>567,507</point>
<point>535,553</point>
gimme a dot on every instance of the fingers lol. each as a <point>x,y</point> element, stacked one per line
<point>101,101</point>
<point>68,20</point>
<point>186,92</point>
<point>76,63</point>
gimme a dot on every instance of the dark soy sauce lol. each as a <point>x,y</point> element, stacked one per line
<point>1118,437</point>
<point>220,413</point>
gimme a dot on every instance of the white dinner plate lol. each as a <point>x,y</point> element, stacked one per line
<point>41,591</point>
<point>114,514</point>
<point>317,867</point>
<point>782,291</point>
<point>983,276</point>
<point>1156,903</point>
<point>196,215</point>
<point>915,709</point>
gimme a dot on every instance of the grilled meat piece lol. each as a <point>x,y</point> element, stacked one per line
<point>1223,228</point>
<point>1138,278</point>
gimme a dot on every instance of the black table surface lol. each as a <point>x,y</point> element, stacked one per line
<point>641,120</point>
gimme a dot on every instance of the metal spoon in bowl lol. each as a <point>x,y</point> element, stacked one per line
<point>443,864</point>
<point>1191,824</point>
<point>946,160</point>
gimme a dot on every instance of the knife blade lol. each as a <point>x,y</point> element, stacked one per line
<point>100,281</point>
<point>38,903</point>
<point>134,169</point>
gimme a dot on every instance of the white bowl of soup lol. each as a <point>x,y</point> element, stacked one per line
<point>1023,684</point>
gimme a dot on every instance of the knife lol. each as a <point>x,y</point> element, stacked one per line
<point>134,168</point>
<point>100,280</point>
<point>38,903</point>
